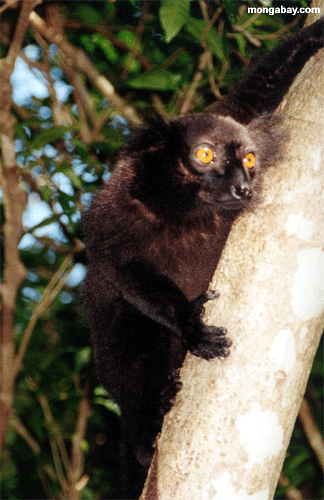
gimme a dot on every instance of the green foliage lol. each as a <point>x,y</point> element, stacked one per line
<point>158,79</point>
<point>173,16</point>
<point>199,29</point>
<point>66,144</point>
<point>232,9</point>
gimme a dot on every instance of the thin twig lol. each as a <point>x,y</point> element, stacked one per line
<point>77,454</point>
<point>59,445</point>
<point>278,34</point>
<point>35,447</point>
<point>187,102</point>
<point>312,432</point>
<point>8,4</point>
<point>53,288</point>
<point>25,434</point>
<point>69,471</point>
<point>173,57</point>
<point>55,437</point>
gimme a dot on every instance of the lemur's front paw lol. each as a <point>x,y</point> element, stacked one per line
<point>207,342</point>
<point>209,350</point>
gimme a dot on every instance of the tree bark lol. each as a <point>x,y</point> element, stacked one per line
<point>227,435</point>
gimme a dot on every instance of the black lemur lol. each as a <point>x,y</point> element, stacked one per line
<point>155,232</point>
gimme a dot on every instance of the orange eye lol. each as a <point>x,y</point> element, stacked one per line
<point>205,154</point>
<point>249,160</point>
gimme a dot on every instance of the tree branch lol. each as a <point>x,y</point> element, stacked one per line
<point>84,64</point>
<point>14,202</point>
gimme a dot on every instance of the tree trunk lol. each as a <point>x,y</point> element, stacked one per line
<point>227,435</point>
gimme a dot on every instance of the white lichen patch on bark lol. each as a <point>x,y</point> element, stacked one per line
<point>303,332</point>
<point>298,225</point>
<point>260,434</point>
<point>308,288</point>
<point>225,489</point>
<point>283,351</point>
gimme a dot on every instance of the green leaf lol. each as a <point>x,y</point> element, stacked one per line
<point>48,136</point>
<point>106,46</point>
<point>80,148</point>
<point>82,358</point>
<point>46,193</point>
<point>69,172</point>
<point>89,15</point>
<point>102,398</point>
<point>44,223</point>
<point>20,131</point>
<point>128,37</point>
<point>158,79</point>
<point>87,42</point>
<point>197,28</point>
<point>109,404</point>
<point>84,445</point>
<point>64,200</point>
<point>131,64</point>
<point>296,461</point>
<point>231,9</point>
<point>173,16</point>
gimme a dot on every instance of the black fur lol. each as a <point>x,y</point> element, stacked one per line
<point>155,232</point>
